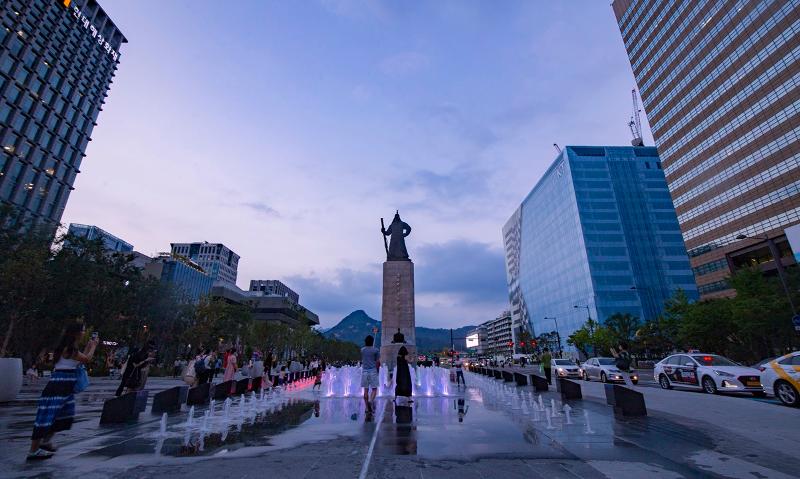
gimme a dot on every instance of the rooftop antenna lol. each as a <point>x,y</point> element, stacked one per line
<point>636,123</point>
<point>556,147</point>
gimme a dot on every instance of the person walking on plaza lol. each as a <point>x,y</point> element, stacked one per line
<point>317,378</point>
<point>176,367</point>
<point>459,373</point>
<point>230,368</point>
<point>56,408</point>
<point>217,367</point>
<point>370,365</point>
<point>623,358</point>
<point>202,368</point>
<point>136,369</point>
<point>138,379</point>
<point>403,380</point>
<point>547,364</point>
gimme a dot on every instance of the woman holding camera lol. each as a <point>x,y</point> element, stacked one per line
<point>57,404</point>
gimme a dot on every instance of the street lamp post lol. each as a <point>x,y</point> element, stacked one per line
<point>558,335</point>
<point>777,258</point>
<point>591,325</point>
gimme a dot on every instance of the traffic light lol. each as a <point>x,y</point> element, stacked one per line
<point>533,343</point>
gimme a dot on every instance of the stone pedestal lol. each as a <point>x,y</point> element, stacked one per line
<point>397,311</point>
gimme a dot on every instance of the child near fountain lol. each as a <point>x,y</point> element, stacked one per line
<point>318,378</point>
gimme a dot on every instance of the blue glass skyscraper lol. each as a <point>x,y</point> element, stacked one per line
<point>57,62</point>
<point>598,230</point>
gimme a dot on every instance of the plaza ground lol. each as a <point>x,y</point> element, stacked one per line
<point>305,435</point>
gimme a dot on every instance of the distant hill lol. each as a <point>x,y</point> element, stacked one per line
<point>357,325</point>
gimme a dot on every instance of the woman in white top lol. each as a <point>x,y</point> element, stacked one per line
<point>57,403</point>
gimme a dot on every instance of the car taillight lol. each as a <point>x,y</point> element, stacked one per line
<point>762,368</point>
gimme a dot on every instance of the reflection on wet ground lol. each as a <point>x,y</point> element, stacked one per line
<point>489,421</point>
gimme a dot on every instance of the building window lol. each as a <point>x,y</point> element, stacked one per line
<point>713,287</point>
<point>710,267</point>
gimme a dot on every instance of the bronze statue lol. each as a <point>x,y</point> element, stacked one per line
<point>397,231</point>
<point>398,338</point>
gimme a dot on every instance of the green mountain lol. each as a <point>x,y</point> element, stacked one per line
<point>357,325</point>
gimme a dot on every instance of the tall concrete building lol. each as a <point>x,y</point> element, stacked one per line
<point>274,287</point>
<point>500,338</point>
<point>216,259</point>
<point>91,232</point>
<point>57,61</point>
<point>598,235</point>
<point>720,82</point>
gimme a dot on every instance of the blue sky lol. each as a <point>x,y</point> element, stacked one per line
<point>287,129</point>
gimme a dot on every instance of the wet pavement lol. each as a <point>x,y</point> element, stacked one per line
<point>490,429</point>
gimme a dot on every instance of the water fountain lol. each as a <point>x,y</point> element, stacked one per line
<point>567,409</point>
<point>549,419</point>
<point>162,430</point>
<point>346,382</point>
<point>588,428</point>
<point>553,408</point>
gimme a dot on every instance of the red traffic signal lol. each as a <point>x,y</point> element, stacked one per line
<point>533,343</point>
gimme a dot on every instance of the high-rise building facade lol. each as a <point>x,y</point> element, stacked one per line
<point>598,236</point>
<point>512,231</point>
<point>91,232</point>
<point>274,287</point>
<point>189,279</point>
<point>720,83</point>
<point>57,61</point>
<point>499,335</point>
<point>216,259</point>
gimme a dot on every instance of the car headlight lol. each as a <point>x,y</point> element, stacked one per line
<point>723,374</point>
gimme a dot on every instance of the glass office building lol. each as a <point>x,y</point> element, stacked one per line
<point>57,60</point>
<point>598,231</point>
<point>190,280</point>
<point>91,232</point>
<point>216,259</point>
<point>720,83</point>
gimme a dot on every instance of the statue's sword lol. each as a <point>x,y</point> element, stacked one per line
<point>385,244</point>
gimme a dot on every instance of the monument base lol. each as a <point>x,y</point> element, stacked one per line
<point>389,355</point>
<point>397,313</point>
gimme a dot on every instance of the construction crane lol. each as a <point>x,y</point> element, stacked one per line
<point>636,123</point>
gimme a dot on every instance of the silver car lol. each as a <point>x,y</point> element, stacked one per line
<point>565,368</point>
<point>603,369</point>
